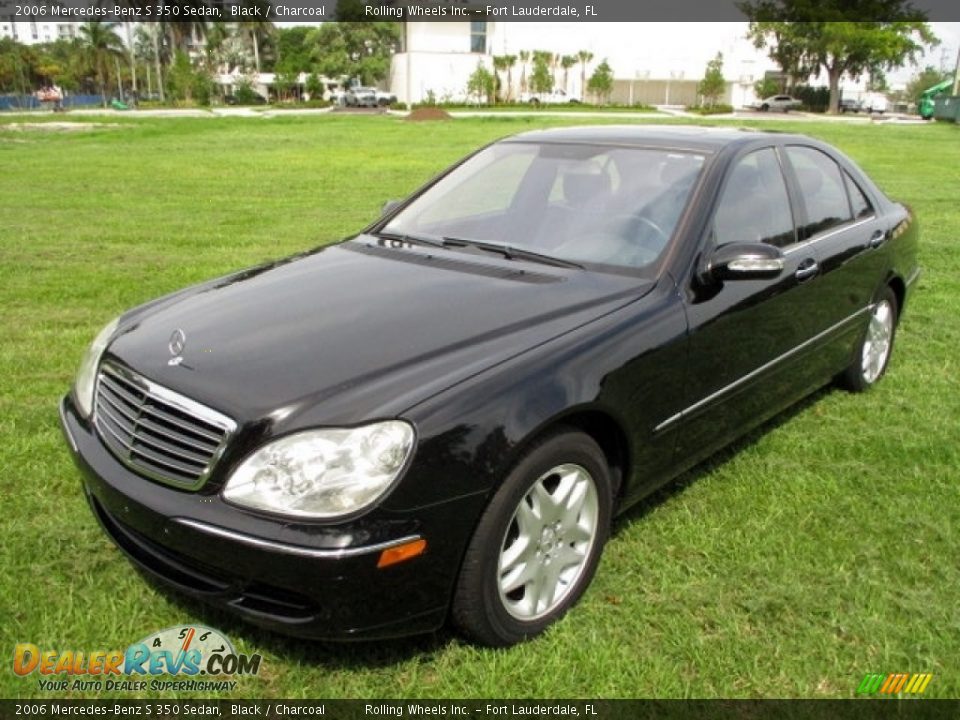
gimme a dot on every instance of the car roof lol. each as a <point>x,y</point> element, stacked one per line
<point>676,137</point>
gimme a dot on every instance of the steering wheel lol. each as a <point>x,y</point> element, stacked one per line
<point>642,219</point>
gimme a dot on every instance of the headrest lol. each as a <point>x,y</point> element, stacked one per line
<point>582,188</point>
<point>810,180</point>
<point>673,172</point>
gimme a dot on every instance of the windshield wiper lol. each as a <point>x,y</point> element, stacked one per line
<point>510,252</point>
<point>406,237</point>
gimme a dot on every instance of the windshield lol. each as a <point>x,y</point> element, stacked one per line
<point>580,203</point>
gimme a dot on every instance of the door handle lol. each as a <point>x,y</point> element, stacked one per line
<point>878,238</point>
<point>807,269</point>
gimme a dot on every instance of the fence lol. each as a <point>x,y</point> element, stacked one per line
<point>29,102</point>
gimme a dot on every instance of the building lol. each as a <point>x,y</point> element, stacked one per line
<point>653,63</point>
<point>34,32</point>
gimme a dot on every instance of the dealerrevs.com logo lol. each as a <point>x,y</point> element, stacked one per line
<point>186,652</point>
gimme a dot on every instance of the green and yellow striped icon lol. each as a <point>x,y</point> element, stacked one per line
<point>893,683</point>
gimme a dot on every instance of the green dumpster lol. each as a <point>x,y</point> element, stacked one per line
<point>947,108</point>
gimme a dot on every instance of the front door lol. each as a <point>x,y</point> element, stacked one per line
<point>745,335</point>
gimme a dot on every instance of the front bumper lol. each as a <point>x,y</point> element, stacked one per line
<point>314,581</point>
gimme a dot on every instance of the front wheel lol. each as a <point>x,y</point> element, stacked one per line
<point>873,353</point>
<point>538,543</point>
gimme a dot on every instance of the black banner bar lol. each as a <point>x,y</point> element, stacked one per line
<point>863,709</point>
<point>422,10</point>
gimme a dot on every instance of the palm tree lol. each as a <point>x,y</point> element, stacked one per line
<point>510,60</point>
<point>101,45</point>
<point>584,56</point>
<point>524,59</point>
<point>501,63</point>
<point>216,37</point>
<point>256,30</point>
<point>567,62</point>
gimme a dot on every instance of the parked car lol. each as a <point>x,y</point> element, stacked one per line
<point>362,97</point>
<point>385,99</point>
<point>875,103</point>
<point>253,99</point>
<point>438,417</point>
<point>779,103</point>
<point>850,105</point>
<point>555,97</point>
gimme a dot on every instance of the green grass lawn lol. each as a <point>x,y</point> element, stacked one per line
<point>824,547</point>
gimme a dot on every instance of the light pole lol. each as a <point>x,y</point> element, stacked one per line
<point>956,75</point>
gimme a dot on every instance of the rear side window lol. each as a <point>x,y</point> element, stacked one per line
<point>822,188</point>
<point>858,201</point>
<point>755,206</point>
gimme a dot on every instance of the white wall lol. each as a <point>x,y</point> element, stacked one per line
<point>446,74</point>
<point>440,59</point>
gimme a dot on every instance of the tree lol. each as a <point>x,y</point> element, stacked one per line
<point>314,87</point>
<point>584,56</point>
<point>541,81</point>
<point>601,82</point>
<point>501,63</point>
<point>877,81</point>
<point>524,59</point>
<point>186,83</point>
<point>510,61</point>
<point>293,50</point>
<point>481,83</point>
<point>567,62</point>
<point>354,49</point>
<point>101,45</point>
<point>804,44</point>
<point>713,85</point>
<point>285,83</point>
<point>256,31</point>
<point>926,78</point>
<point>766,87</point>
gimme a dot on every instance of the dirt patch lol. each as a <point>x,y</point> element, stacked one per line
<point>428,113</point>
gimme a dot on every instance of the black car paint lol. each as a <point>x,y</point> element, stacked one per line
<point>482,354</point>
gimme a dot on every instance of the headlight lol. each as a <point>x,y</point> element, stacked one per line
<point>87,374</point>
<point>322,473</point>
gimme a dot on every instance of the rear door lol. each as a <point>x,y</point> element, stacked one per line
<point>837,218</point>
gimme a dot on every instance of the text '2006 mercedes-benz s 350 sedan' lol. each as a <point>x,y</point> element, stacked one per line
<point>437,419</point>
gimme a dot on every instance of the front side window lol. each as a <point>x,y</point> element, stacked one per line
<point>581,203</point>
<point>755,206</point>
<point>822,189</point>
<point>478,37</point>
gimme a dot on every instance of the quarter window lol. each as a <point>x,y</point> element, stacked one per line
<point>858,201</point>
<point>755,206</point>
<point>821,186</point>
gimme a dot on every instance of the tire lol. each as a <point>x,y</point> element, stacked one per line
<point>876,346</point>
<point>499,599</point>
<point>764,108</point>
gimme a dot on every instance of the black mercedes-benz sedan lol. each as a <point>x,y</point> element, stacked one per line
<point>436,419</point>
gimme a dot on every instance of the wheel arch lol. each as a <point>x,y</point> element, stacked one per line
<point>899,287</point>
<point>600,425</point>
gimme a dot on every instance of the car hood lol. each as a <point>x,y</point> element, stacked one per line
<point>356,331</point>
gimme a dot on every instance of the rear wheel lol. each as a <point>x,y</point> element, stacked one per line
<point>538,543</point>
<point>873,353</point>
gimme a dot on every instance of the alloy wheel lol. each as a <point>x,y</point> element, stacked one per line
<point>548,542</point>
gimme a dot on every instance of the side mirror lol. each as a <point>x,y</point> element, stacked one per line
<point>389,206</point>
<point>744,261</point>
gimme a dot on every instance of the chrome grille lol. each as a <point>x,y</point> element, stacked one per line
<point>157,432</point>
